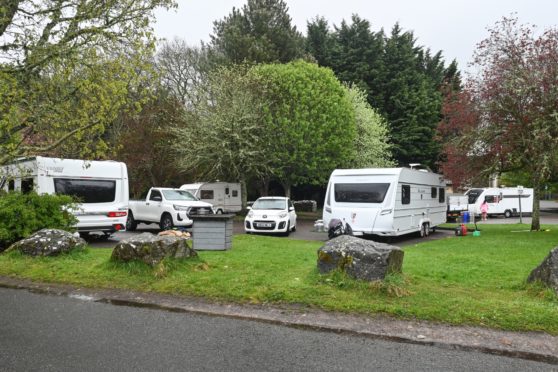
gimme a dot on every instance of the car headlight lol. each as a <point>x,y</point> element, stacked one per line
<point>250,214</point>
<point>179,207</point>
<point>283,215</point>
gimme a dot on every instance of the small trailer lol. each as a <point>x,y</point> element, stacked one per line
<point>506,201</point>
<point>457,204</point>
<point>101,186</point>
<point>385,201</point>
<point>224,196</point>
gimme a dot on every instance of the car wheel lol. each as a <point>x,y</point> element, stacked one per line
<point>294,228</point>
<point>507,213</point>
<point>288,231</point>
<point>131,223</point>
<point>166,222</point>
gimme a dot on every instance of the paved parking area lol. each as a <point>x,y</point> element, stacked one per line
<point>305,229</point>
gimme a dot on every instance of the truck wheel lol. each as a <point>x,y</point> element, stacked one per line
<point>507,213</point>
<point>166,222</point>
<point>131,223</point>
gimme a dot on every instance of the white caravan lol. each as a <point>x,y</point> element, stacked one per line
<point>101,186</point>
<point>501,201</point>
<point>224,196</point>
<point>385,201</point>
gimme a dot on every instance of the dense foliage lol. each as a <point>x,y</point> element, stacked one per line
<point>23,214</point>
<point>67,69</point>
<point>401,79</point>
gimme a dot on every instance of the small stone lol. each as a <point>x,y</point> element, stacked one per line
<point>421,337</point>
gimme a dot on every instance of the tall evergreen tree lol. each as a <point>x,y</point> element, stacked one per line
<point>260,32</point>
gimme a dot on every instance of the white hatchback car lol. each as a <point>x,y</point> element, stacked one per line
<point>271,214</point>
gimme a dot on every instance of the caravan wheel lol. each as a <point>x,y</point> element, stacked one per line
<point>426,229</point>
<point>507,213</point>
<point>219,211</point>
<point>422,231</point>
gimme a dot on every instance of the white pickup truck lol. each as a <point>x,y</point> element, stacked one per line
<point>167,207</point>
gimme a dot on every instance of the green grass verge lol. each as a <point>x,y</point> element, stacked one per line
<point>458,280</point>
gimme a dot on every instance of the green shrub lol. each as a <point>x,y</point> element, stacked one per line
<point>23,214</point>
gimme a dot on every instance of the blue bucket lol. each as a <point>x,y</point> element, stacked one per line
<point>465,217</point>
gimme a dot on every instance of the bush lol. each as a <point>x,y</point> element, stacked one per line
<point>23,214</point>
<point>306,205</point>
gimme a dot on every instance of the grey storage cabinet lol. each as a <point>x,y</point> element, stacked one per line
<point>212,232</point>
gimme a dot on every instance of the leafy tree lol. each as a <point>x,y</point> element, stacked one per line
<point>260,32</point>
<point>517,97</point>
<point>144,140</point>
<point>67,68</point>
<point>223,137</point>
<point>412,102</point>
<point>370,148</point>
<point>311,120</point>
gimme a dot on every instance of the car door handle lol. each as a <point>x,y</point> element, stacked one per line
<point>328,209</point>
<point>146,203</point>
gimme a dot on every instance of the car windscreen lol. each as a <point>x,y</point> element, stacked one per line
<point>473,195</point>
<point>178,195</point>
<point>360,192</point>
<point>87,190</point>
<point>270,204</point>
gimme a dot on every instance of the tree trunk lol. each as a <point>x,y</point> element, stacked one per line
<point>244,193</point>
<point>264,186</point>
<point>287,187</point>
<point>535,221</point>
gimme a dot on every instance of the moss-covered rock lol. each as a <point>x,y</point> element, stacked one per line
<point>359,258</point>
<point>152,249</point>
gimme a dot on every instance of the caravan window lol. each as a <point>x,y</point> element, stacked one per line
<point>433,193</point>
<point>87,191</point>
<point>235,193</point>
<point>405,194</point>
<point>11,185</point>
<point>26,185</point>
<point>442,198</point>
<point>474,195</point>
<point>206,194</point>
<point>491,198</point>
<point>360,192</point>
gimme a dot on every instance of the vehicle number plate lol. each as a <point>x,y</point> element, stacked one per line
<point>264,225</point>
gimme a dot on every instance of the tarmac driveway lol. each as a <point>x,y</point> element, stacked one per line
<point>304,231</point>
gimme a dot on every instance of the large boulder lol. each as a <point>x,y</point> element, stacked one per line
<point>547,271</point>
<point>152,249</point>
<point>49,242</point>
<point>359,258</point>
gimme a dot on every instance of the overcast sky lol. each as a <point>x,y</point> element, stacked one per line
<point>453,26</point>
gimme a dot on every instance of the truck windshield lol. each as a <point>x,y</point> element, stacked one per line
<point>178,195</point>
<point>473,195</point>
<point>360,192</point>
<point>270,204</point>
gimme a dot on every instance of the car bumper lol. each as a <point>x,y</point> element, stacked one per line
<point>181,219</point>
<point>266,226</point>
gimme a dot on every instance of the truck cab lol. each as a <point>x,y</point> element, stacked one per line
<point>167,207</point>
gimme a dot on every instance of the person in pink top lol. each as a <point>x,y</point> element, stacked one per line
<point>484,210</point>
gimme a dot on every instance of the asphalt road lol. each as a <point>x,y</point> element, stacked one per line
<point>51,333</point>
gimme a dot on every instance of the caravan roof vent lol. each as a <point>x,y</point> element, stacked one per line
<point>420,167</point>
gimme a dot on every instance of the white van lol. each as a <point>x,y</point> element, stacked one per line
<point>224,196</point>
<point>101,186</point>
<point>385,201</point>
<point>501,201</point>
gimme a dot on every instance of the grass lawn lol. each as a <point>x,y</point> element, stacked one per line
<point>459,280</point>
